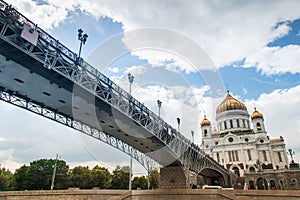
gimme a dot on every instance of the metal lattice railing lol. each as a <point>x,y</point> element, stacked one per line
<point>57,57</point>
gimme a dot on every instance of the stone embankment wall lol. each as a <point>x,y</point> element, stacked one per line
<point>174,194</point>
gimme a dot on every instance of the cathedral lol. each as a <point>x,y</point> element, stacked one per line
<point>241,144</point>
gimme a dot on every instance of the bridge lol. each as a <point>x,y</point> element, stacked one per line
<point>39,74</point>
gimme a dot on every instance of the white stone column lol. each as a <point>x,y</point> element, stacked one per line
<point>272,156</point>
<point>243,157</point>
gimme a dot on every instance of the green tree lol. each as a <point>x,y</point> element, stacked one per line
<point>100,177</point>
<point>38,176</point>
<point>81,177</point>
<point>6,179</point>
<point>154,178</point>
<point>120,178</point>
<point>21,178</point>
<point>140,182</point>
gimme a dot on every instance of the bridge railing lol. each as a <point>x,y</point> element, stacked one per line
<point>14,16</point>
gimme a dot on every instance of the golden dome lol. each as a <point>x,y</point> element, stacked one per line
<point>205,122</point>
<point>230,103</point>
<point>256,114</point>
<point>215,131</point>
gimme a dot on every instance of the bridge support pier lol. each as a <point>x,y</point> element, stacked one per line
<point>173,177</point>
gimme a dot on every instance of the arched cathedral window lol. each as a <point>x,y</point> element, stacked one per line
<point>258,126</point>
<point>249,154</point>
<point>205,132</point>
<point>238,122</point>
<point>279,156</point>
<point>265,155</point>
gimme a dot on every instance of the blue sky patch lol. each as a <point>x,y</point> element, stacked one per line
<point>292,38</point>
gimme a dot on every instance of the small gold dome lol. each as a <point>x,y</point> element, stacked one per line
<point>256,114</point>
<point>215,131</point>
<point>205,122</point>
<point>230,103</point>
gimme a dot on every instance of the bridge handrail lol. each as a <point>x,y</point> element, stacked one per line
<point>16,16</point>
<point>21,19</point>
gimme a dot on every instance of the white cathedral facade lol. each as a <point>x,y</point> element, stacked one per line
<point>240,142</point>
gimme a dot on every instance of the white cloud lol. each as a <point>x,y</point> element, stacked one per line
<point>136,70</point>
<point>279,31</point>
<point>162,58</point>
<point>186,103</point>
<point>113,69</point>
<point>229,31</point>
<point>281,114</point>
<point>274,60</point>
<point>46,16</point>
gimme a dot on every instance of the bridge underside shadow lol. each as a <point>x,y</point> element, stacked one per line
<point>211,177</point>
<point>175,177</point>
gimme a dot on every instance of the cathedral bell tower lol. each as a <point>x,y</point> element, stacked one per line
<point>205,128</point>
<point>258,122</point>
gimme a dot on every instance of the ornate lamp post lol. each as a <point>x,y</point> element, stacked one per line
<point>291,152</point>
<point>82,38</point>
<point>159,106</point>
<point>192,132</point>
<point>178,122</point>
<point>130,79</point>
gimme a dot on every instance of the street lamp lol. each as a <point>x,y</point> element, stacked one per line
<point>178,122</point>
<point>82,38</point>
<point>130,79</point>
<point>54,173</point>
<point>159,106</point>
<point>192,132</point>
<point>291,152</point>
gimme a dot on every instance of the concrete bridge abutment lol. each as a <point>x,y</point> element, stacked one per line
<point>173,177</point>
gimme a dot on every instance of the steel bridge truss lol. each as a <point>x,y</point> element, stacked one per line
<point>27,104</point>
<point>55,56</point>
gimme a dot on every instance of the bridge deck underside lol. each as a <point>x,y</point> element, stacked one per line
<point>23,75</point>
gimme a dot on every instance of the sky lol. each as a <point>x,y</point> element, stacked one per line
<point>185,53</point>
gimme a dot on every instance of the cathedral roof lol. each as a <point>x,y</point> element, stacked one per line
<point>256,114</point>
<point>230,103</point>
<point>280,139</point>
<point>205,122</point>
